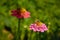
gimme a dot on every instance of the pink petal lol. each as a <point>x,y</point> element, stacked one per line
<point>14,12</point>
<point>44,27</point>
<point>33,27</point>
<point>34,30</point>
<point>41,30</point>
<point>26,15</point>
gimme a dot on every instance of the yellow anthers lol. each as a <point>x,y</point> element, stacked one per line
<point>23,10</point>
<point>39,23</point>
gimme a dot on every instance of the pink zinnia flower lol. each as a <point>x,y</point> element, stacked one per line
<point>21,13</point>
<point>38,26</point>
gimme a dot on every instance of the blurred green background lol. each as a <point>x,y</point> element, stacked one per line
<point>47,11</point>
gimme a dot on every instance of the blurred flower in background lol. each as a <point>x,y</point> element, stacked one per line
<point>10,36</point>
<point>21,13</point>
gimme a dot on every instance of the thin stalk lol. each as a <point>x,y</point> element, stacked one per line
<point>38,36</point>
<point>26,35</point>
<point>19,21</point>
<point>18,32</point>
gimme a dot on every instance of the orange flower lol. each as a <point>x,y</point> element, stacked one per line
<point>22,13</point>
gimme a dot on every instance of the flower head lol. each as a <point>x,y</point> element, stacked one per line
<point>22,13</point>
<point>38,26</point>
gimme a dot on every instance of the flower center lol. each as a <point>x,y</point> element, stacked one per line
<point>23,10</point>
<point>39,23</point>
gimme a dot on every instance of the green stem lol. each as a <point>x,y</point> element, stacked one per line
<point>38,36</point>
<point>18,33</point>
<point>26,35</point>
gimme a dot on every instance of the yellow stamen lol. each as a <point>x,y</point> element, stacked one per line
<point>39,23</point>
<point>23,10</point>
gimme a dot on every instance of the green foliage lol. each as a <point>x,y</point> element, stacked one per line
<point>47,11</point>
